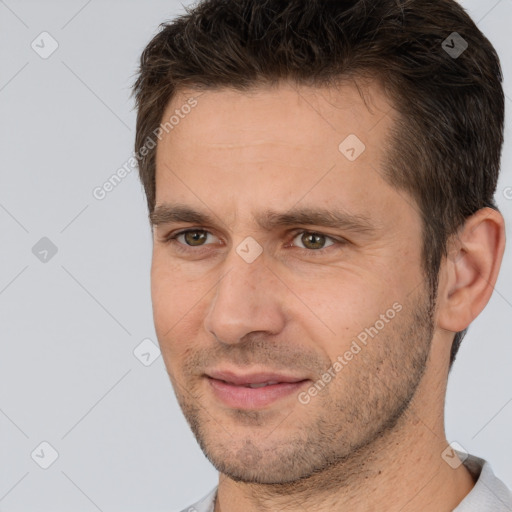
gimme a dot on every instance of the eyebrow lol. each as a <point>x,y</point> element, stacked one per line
<point>167,213</point>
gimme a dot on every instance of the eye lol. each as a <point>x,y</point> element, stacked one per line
<point>189,238</point>
<point>312,240</point>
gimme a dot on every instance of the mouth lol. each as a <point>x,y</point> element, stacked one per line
<point>253,391</point>
<point>254,386</point>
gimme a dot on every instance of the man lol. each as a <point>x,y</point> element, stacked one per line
<point>320,179</point>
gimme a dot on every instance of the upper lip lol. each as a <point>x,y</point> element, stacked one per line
<point>241,379</point>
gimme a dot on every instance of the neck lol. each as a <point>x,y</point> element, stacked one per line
<point>401,471</point>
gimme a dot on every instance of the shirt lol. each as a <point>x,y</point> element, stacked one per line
<point>489,493</point>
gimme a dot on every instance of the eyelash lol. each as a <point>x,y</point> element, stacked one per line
<point>172,239</point>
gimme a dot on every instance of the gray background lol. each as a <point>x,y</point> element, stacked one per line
<point>69,326</point>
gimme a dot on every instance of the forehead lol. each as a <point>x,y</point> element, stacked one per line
<point>303,116</point>
<point>275,146</point>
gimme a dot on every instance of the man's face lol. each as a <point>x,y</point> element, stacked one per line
<point>245,298</point>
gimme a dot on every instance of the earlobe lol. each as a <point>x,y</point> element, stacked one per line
<point>470,272</point>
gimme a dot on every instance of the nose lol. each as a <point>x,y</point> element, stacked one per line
<point>249,298</point>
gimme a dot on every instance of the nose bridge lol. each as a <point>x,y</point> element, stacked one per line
<point>246,298</point>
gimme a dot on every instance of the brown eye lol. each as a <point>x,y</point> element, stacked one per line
<point>312,240</point>
<point>189,241</point>
<point>194,237</point>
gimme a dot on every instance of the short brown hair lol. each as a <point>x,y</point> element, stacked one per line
<point>448,137</point>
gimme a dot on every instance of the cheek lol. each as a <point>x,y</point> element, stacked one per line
<point>177,305</point>
<point>336,310</point>
<point>169,298</point>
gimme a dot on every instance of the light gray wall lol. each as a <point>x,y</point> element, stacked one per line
<point>69,326</point>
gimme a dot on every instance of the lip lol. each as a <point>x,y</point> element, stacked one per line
<point>241,379</point>
<point>230,388</point>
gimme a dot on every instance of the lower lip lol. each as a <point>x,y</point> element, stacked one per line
<point>242,397</point>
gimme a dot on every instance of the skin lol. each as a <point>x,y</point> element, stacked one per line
<point>377,429</point>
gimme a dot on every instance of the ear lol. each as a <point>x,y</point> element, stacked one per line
<point>467,277</point>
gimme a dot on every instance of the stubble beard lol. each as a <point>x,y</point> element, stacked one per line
<point>339,427</point>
